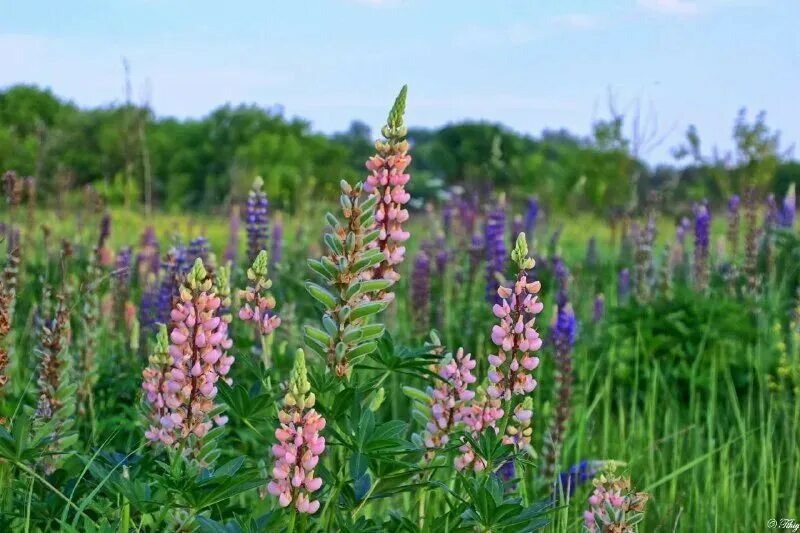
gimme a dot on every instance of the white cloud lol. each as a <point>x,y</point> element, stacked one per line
<point>683,8</point>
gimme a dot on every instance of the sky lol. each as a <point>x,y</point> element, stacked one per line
<point>531,65</point>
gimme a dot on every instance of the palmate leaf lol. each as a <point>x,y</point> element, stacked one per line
<point>390,358</point>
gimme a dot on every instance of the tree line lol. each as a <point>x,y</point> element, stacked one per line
<point>134,157</point>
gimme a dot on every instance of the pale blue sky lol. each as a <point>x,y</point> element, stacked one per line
<point>530,64</point>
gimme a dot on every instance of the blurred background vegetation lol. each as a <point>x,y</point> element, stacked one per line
<point>134,157</point>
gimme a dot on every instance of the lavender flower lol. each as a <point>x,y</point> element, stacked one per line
<point>495,246</point>
<point>256,220</point>
<point>421,292</point>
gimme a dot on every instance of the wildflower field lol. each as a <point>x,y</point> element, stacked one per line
<point>362,362</point>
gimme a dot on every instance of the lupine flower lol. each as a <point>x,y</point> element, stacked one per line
<point>751,241</point>
<point>53,381</point>
<point>598,308</point>
<point>702,229</point>
<point>299,445</point>
<point>348,298</point>
<point>772,213</point>
<point>623,284</point>
<point>449,399</point>
<point>199,343</point>
<point>421,292</point>
<point>644,257</point>
<point>561,275</point>
<point>733,225</point>
<point>788,209</point>
<point>276,243</point>
<point>515,336</point>
<point>495,245</point>
<point>476,253</point>
<point>575,476</point>
<point>531,215</point>
<point>517,340</point>
<point>198,249</point>
<point>122,285</point>
<point>387,182</point>
<point>155,383</point>
<point>613,506</point>
<point>442,255</point>
<point>468,214</point>
<point>258,304</point>
<point>8,289</point>
<point>447,217</point>
<point>169,285</point>
<point>257,221</point>
<point>147,259</point>
<point>148,305</point>
<point>232,248</point>
<point>563,335</point>
<point>481,413</point>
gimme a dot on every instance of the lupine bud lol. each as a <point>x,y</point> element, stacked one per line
<point>613,506</point>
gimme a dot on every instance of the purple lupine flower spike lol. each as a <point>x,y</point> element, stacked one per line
<point>788,210</point>
<point>257,220</point>
<point>598,308</point>
<point>733,225</point>
<point>623,284</point>
<point>198,249</point>
<point>234,223</point>
<point>495,246</point>
<point>421,292</point>
<point>772,213</point>
<point>276,243</point>
<point>702,229</point>
<point>531,215</point>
